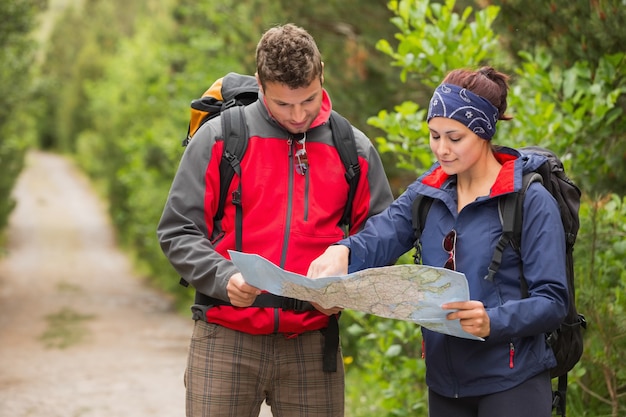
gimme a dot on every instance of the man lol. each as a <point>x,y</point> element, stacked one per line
<point>293,194</point>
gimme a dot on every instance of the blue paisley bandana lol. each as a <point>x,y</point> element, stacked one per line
<point>460,104</point>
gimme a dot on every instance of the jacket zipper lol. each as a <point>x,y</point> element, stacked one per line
<point>283,257</point>
<point>455,387</point>
<point>306,195</point>
<point>288,214</point>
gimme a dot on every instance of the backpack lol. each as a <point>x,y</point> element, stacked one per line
<point>226,92</point>
<point>226,97</point>
<point>567,341</point>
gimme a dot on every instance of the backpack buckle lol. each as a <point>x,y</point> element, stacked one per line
<point>230,103</point>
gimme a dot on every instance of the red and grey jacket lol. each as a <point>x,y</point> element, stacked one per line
<point>288,218</point>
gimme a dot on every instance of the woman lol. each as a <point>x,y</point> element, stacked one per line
<point>508,373</point>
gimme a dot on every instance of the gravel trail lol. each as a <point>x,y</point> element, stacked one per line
<point>81,335</point>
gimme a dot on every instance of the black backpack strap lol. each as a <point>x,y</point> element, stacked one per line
<point>262,300</point>
<point>510,210</point>
<point>419,212</point>
<point>235,135</point>
<point>559,397</point>
<point>343,136</point>
<point>331,344</point>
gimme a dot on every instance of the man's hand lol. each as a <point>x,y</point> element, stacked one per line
<point>239,292</point>
<point>472,315</point>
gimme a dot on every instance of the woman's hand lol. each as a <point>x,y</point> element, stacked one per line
<point>472,315</point>
<point>327,311</point>
<point>333,262</point>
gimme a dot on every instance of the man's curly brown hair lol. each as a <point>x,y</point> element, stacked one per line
<point>288,55</point>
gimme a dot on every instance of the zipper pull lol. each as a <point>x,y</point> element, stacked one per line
<point>511,354</point>
<point>423,349</point>
<point>290,146</point>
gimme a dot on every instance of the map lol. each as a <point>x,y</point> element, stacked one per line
<point>403,292</point>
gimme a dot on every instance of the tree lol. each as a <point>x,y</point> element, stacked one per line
<point>585,40</point>
<point>17,54</point>
<point>571,30</point>
<point>601,278</point>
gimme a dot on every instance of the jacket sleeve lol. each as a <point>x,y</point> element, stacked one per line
<point>385,237</point>
<point>543,261</point>
<point>185,226</point>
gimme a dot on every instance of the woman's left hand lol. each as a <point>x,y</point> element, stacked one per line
<point>472,315</point>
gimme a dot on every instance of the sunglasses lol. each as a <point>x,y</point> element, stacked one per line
<point>449,245</point>
<point>301,161</point>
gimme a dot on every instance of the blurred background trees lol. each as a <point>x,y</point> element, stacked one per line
<point>17,54</point>
<point>109,83</point>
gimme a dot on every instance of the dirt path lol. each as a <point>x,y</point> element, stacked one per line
<point>80,334</point>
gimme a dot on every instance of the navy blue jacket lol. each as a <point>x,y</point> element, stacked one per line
<point>516,349</point>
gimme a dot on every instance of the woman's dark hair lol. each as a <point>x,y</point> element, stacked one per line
<point>485,82</point>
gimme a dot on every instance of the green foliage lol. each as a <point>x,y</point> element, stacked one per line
<point>403,127</point>
<point>81,42</point>
<point>564,108</point>
<point>13,147</point>
<point>601,281</point>
<point>134,146</point>
<point>571,30</point>
<point>433,40</point>
<point>17,53</point>
<point>581,44</point>
<point>374,350</point>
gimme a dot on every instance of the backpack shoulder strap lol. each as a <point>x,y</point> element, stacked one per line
<point>510,210</point>
<point>419,210</point>
<point>235,136</point>
<point>343,137</point>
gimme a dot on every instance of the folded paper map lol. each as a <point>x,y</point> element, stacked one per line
<point>403,292</point>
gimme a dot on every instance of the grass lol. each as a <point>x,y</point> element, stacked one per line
<point>65,328</point>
